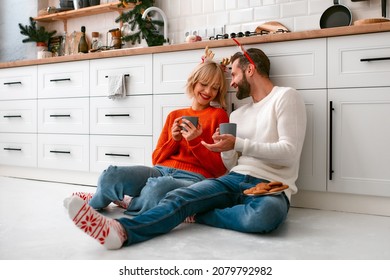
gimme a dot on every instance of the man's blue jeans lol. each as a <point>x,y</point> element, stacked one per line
<point>216,202</point>
<point>147,185</point>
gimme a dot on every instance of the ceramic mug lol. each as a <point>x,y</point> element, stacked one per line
<point>192,119</point>
<point>228,128</point>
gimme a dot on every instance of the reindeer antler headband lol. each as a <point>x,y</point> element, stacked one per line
<point>209,55</point>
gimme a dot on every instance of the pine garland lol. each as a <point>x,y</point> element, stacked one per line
<point>146,27</point>
<point>35,33</point>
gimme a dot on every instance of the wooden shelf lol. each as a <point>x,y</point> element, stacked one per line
<point>88,11</point>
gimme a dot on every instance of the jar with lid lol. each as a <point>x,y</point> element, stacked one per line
<point>95,42</point>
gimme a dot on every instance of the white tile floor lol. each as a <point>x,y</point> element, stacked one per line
<point>35,225</point>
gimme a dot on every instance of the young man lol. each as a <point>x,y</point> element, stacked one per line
<point>268,145</point>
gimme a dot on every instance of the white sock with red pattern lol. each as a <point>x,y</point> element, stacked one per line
<point>86,196</point>
<point>107,231</point>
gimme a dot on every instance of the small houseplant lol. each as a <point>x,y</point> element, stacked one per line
<point>147,28</point>
<point>35,34</point>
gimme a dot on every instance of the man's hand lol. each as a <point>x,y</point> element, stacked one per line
<point>222,143</point>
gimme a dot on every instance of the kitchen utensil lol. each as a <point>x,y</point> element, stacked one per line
<point>271,26</point>
<point>335,16</point>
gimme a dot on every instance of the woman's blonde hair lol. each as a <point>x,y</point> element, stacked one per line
<point>209,72</point>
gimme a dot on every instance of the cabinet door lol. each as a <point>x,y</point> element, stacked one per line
<point>135,69</point>
<point>63,151</point>
<point>67,115</point>
<point>163,105</point>
<point>18,116</point>
<point>129,116</point>
<point>18,149</point>
<point>312,169</point>
<point>68,79</point>
<point>359,60</point>
<point>18,83</point>
<point>360,137</point>
<point>119,150</point>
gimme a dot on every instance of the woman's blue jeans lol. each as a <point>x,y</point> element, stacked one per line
<point>147,185</point>
<point>216,202</point>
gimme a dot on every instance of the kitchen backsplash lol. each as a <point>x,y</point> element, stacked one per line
<point>203,16</point>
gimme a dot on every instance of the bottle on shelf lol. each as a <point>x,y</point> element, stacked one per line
<point>95,43</point>
<point>62,51</point>
<point>83,45</point>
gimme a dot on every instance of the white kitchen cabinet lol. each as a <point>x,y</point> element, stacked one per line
<point>128,116</point>
<point>117,150</point>
<point>136,71</point>
<point>61,80</point>
<point>63,151</point>
<point>18,83</point>
<point>18,149</point>
<point>360,138</point>
<point>64,115</point>
<point>359,60</point>
<point>18,116</point>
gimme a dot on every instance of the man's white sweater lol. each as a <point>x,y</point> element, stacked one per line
<point>270,136</point>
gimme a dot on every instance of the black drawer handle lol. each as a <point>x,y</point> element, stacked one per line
<point>13,116</point>
<point>117,155</point>
<point>117,115</point>
<point>125,75</point>
<point>12,83</point>
<point>374,59</point>
<point>60,152</point>
<point>60,80</point>
<point>59,116</point>
<point>12,149</point>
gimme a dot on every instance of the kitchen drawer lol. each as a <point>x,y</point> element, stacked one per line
<point>129,116</point>
<point>68,115</point>
<point>171,70</point>
<point>359,60</point>
<point>18,83</point>
<point>18,149</point>
<point>18,116</point>
<point>120,151</point>
<point>136,69</point>
<point>68,79</point>
<point>299,64</point>
<point>69,152</point>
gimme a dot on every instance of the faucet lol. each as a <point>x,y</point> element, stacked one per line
<point>165,20</point>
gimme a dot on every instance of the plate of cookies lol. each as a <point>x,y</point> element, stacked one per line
<point>271,188</point>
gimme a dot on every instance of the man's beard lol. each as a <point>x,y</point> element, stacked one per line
<point>243,89</point>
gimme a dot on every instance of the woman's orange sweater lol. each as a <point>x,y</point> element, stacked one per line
<point>192,156</point>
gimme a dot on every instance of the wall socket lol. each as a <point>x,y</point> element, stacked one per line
<point>205,32</point>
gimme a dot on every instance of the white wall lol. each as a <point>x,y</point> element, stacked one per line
<point>183,15</point>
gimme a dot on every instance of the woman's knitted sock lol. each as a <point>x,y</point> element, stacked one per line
<point>109,232</point>
<point>86,196</point>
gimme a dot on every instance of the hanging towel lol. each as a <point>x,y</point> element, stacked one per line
<point>116,86</point>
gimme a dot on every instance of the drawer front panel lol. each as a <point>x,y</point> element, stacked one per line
<point>18,83</point>
<point>18,149</point>
<point>18,116</point>
<point>129,116</point>
<point>359,60</point>
<point>297,64</point>
<point>69,79</point>
<point>63,115</point>
<point>120,151</point>
<point>135,69</point>
<point>69,152</point>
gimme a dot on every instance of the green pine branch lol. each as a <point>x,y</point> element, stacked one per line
<point>147,28</point>
<point>35,33</point>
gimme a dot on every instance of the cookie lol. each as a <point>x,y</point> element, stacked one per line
<point>278,189</point>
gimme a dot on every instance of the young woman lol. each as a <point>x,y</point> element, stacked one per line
<point>179,159</point>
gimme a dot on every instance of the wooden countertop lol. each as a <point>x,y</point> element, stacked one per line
<point>301,35</point>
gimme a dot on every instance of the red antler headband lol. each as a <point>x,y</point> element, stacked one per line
<point>245,52</point>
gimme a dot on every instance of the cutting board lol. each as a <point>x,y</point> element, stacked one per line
<point>370,20</point>
<point>271,26</point>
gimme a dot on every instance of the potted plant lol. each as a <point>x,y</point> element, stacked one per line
<point>142,28</point>
<point>35,33</point>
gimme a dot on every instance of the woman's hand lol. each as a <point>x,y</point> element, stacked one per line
<point>190,132</point>
<point>176,130</point>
